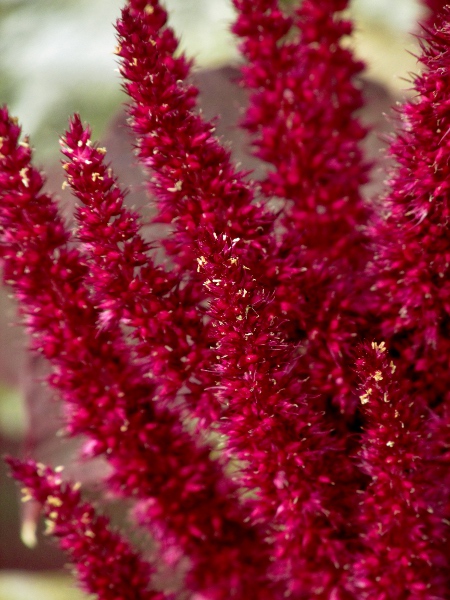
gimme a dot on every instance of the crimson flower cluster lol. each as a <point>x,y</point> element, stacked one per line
<point>268,382</point>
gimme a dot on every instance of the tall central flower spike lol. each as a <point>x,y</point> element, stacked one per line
<point>198,191</point>
<point>302,116</point>
<point>196,185</point>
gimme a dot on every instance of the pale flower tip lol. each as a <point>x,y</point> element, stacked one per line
<point>28,533</point>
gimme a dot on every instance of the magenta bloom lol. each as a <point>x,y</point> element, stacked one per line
<point>228,372</point>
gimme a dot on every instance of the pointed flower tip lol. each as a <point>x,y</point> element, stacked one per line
<point>77,133</point>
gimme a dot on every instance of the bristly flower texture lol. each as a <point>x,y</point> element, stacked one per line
<point>269,382</point>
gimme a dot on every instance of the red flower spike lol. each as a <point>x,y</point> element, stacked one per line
<point>297,64</point>
<point>196,187</point>
<point>33,246</point>
<point>247,406</point>
<point>405,536</point>
<point>302,114</point>
<point>183,495</point>
<point>105,563</point>
<point>170,135</point>
<point>252,331</point>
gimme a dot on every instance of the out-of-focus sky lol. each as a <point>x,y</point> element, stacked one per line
<point>57,57</point>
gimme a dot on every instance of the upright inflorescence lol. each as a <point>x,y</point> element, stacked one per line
<point>110,399</point>
<point>227,372</point>
<point>233,243</point>
<point>123,275</point>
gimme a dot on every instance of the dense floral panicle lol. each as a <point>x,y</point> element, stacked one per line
<point>299,65</point>
<point>33,242</point>
<point>105,563</point>
<point>411,271</point>
<point>257,419</point>
<point>405,537</point>
<point>205,198</point>
<point>105,224</point>
<point>48,277</point>
<point>267,410</point>
<point>196,187</point>
<point>187,498</point>
<point>257,319</point>
<point>115,250</point>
